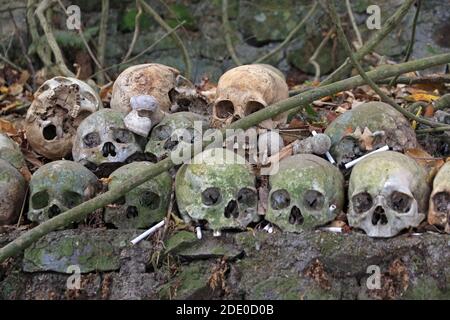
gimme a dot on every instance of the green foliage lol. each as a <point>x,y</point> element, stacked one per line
<point>71,39</point>
<point>127,23</point>
<point>178,13</point>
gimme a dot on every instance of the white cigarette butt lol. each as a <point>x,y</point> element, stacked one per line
<point>198,231</point>
<point>217,233</point>
<point>149,232</point>
<point>352,163</point>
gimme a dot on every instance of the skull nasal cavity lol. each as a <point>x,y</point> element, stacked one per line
<point>296,216</point>
<point>231,210</point>
<point>53,211</point>
<point>132,212</point>
<point>109,149</point>
<point>379,215</point>
<point>224,109</point>
<point>49,132</point>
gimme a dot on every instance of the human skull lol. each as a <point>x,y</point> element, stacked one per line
<point>388,192</point>
<point>172,131</point>
<point>306,192</point>
<point>10,152</point>
<point>146,92</point>
<point>217,187</point>
<point>103,143</point>
<point>12,193</point>
<point>57,187</point>
<point>59,106</point>
<point>439,210</point>
<point>143,206</point>
<point>381,125</point>
<point>246,89</point>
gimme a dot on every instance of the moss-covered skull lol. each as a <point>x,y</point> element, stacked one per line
<point>12,193</point>
<point>59,106</point>
<point>388,192</point>
<point>369,126</point>
<point>217,187</point>
<point>143,206</point>
<point>306,192</point>
<point>439,212</point>
<point>103,141</point>
<point>10,152</point>
<point>57,187</point>
<point>172,131</point>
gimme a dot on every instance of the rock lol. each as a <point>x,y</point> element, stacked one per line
<point>93,250</point>
<point>186,245</point>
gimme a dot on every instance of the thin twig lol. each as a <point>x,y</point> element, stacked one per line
<point>59,60</point>
<point>102,35</point>
<point>313,58</point>
<point>41,49</point>
<point>412,40</point>
<point>12,64</point>
<point>227,33</point>
<point>354,25</point>
<point>290,35</point>
<point>142,52</point>
<point>344,41</point>
<point>176,38</point>
<point>433,130</point>
<point>137,20</point>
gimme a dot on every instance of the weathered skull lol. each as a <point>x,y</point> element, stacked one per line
<point>172,131</point>
<point>246,89</point>
<point>219,192</point>
<point>12,193</point>
<point>59,106</point>
<point>369,126</point>
<point>306,192</point>
<point>10,152</point>
<point>103,143</point>
<point>143,206</point>
<point>388,192</point>
<point>59,186</point>
<point>439,211</point>
<point>145,93</point>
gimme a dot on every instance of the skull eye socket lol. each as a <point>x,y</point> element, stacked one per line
<point>441,201</point>
<point>224,109</point>
<point>49,132</point>
<point>162,132</point>
<point>280,199</point>
<point>400,202</point>
<point>150,200</point>
<point>211,196</point>
<point>362,202</point>
<point>72,199</point>
<point>247,196</point>
<point>92,139</point>
<point>122,136</point>
<point>313,200</point>
<point>252,107</point>
<point>40,200</point>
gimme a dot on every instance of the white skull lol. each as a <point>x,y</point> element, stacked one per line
<point>59,106</point>
<point>388,192</point>
<point>246,89</point>
<point>439,212</point>
<point>103,143</point>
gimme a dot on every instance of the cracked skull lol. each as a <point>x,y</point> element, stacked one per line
<point>216,190</point>
<point>12,193</point>
<point>10,152</point>
<point>57,187</point>
<point>143,206</point>
<point>306,192</point>
<point>439,211</point>
<point>388,193</point>
<point>146,93</point>
<point>174,129</point>
<point>246,89</point>
<point>367,127</point>
<point>103,143</point>
<point>59,106</point>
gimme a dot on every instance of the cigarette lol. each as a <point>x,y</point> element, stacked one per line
<point>198,231</point>
<point>332,208</point>
<point>149,232</point>
<point>333,229</point>
<point>217,233</point>
<point>268,228</point>
<point>352,163</point>
<point>327,154</point>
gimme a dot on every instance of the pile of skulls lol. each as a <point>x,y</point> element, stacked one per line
<point>154,111</point>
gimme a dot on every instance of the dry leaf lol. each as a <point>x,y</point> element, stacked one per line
<point>7,127</point>
<point>422,97</point>
<point>15,89</point>
<point>423,158</point>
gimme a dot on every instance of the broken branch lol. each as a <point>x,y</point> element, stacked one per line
<point>227,33</point>
<point>81,211</point>
<point>102,39</point>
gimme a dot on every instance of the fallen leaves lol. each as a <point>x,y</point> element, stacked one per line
<point>7,127</point>
<point>424,159</point>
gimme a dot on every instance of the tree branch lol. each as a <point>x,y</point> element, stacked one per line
<point>102,40</point>
<point>227,33</point>
<point>137,21</point>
